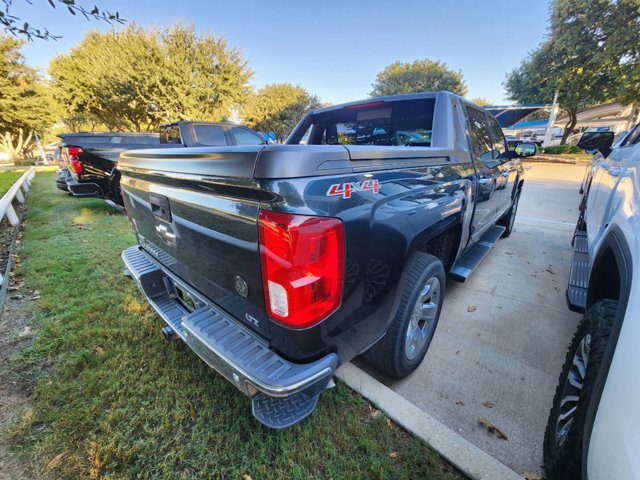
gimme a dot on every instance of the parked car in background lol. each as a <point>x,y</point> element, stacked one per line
<point>594,424</point>
<point>90,159</point>
<point>278,263</point>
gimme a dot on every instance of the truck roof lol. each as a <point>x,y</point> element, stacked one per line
<point>387,98</point>
<point>107,134</point>
<point>198,122</point>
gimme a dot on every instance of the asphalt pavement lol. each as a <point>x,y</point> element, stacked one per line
<point>502,337</point>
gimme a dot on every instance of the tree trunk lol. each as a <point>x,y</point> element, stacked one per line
<point>572,113</point>
<point>16,146</point>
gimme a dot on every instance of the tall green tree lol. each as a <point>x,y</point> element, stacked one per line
<point>585,58</point>
<point>278,107</point>
<point>138,78</point>
<point>419,76</point>
<point>483,102</point>
<point>25,105</point>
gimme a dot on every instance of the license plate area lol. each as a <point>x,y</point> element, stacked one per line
<point>184,297</point>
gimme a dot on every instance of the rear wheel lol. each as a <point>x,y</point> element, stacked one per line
<point>563,438</point>
<point>406,342</point>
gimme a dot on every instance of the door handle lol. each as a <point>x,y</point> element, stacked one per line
<point>160,206</point>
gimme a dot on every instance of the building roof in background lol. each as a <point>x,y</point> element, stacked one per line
<point>508,115</point>
<point>532,123</point>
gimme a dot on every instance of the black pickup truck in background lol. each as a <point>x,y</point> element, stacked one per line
<point>278,263</point>
<point>90,159</point>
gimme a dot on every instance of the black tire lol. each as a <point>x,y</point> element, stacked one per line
<point>389,354</point>
<point>509,218</point>
<point>563,440</point>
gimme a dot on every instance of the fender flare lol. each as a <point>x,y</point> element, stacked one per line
<point>616,242</point>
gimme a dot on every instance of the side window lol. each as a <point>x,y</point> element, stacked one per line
<point>304,140</point>
<point>480,138</point>
<point>499,142</point>
<point>210,135</point>
<point>170,134</point>
<point>633,137</point>
<point>242,136</point>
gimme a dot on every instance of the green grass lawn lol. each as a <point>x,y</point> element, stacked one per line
<point>8,178</point>
<point>111,400</point>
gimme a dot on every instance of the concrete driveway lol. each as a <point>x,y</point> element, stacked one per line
<point>503,334</point>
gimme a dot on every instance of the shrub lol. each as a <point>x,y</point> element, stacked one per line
<point>560,149</point>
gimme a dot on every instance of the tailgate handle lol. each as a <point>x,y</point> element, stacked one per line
<point>160,206</point>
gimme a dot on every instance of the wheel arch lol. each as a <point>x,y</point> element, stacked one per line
<point>441,240</point>
<point>612,260</point>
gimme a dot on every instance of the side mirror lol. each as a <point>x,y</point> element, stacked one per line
<point>596,141</point>
<point>526,149</point>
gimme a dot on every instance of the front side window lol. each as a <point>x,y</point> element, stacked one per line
<point>480,137</point>
<point>633,137</point>
<point>498,141</point>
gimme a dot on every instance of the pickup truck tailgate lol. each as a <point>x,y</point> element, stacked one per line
<point>202,226</point>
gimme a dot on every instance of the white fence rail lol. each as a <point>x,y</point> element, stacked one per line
<point>17,191</point>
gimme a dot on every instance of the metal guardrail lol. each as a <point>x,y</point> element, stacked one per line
<point>17,191</point>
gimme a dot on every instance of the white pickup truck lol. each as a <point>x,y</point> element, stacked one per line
<point>594,425</point>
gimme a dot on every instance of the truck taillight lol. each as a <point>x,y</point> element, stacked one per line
<point>302,266</point>
<point>74,162</point>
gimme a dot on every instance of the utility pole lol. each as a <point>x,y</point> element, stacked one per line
<point>548,134</point>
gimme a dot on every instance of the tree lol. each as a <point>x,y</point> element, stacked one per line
<point>419,76</point>
<point>483,102</point>
<point>585,58</point>
<point>136,78</point>
<point>278,107</point>
<point>622,30</point>
<point>24,101</point>
<point>19,28</point>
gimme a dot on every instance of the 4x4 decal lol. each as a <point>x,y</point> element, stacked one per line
<point>346,189</point>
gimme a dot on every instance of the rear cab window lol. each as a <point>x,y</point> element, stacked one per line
<point>405,123</point>
<point>170,134</point>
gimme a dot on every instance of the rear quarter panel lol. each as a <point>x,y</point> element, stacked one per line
<point>614,448</point>
<point>382,229</point>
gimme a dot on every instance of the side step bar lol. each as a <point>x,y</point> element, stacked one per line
<point>579,274</point>
<point>465,266</point>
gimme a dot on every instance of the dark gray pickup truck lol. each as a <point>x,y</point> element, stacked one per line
<point>278,263</point>
<point>91,158</point>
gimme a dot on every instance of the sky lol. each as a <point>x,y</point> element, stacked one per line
<point>332,48</point>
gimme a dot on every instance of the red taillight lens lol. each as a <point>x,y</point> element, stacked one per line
<point>76,165</point>
<point>74,162</point>
<point>302,266</point>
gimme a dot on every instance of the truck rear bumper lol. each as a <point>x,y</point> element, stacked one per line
<point>61,180</point>
<point>282,392</point>
<point>83,189</point>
